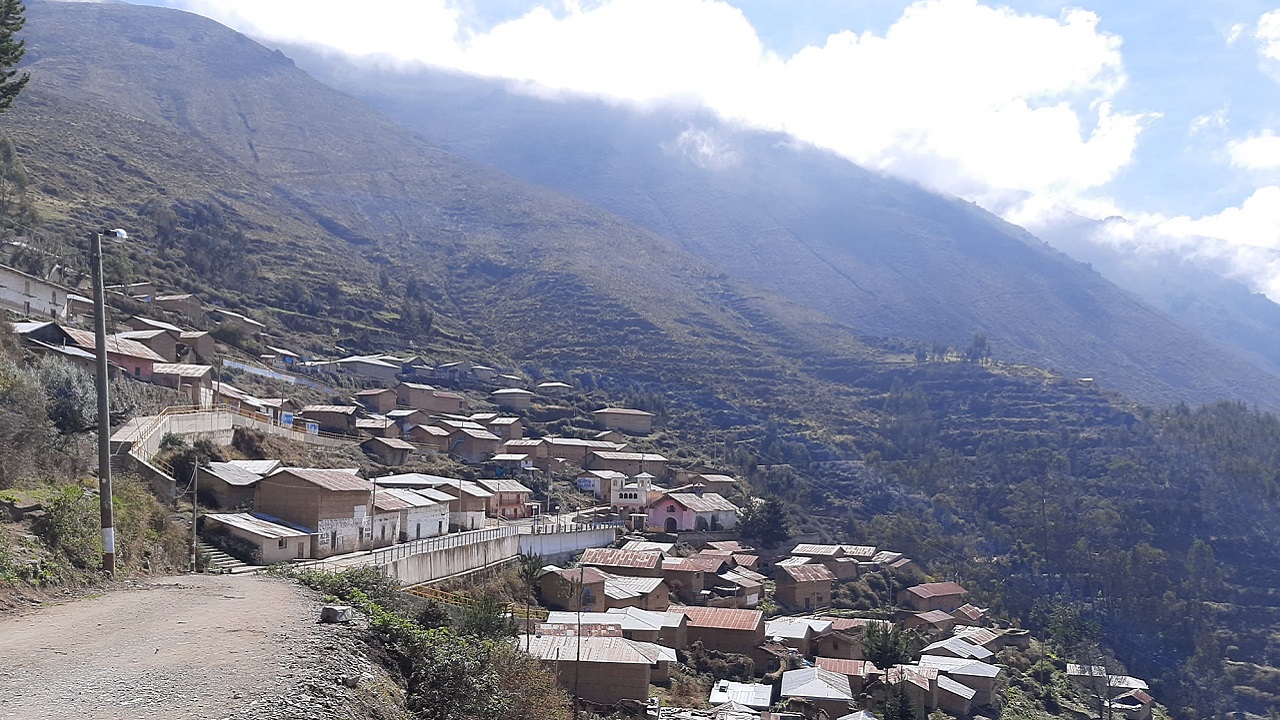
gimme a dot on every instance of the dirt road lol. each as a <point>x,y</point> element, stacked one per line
<point>192,647</point>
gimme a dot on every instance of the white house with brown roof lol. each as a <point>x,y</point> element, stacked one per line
<point>335,504</point>
<point>274,540</point>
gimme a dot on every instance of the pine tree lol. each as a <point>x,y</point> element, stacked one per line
<point>12,18</point>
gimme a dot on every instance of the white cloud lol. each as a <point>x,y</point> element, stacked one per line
<point>1255,223</point>
<point>1267,33</point>
<point>1256,152</point>
<point>1234,33</point>
<point>971,99</point>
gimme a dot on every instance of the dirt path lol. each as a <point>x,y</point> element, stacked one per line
<point>200,646</point>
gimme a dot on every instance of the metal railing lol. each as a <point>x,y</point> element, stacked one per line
<point>390,554</point>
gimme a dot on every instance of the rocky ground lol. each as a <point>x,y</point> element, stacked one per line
<point>192,647</point>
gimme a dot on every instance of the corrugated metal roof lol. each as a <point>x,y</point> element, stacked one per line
<point>806,573</point>
<point>335,480</point>
<point>258,524</point>
<point>928,590</point>
<point>261,467</point>
<point>754,695</point>
<point>616,650</point>
<point>959,648</point>
<point>816,550</point>
<point>706,502</point>
<point>860,668</point>
<point>412,498</point>
<point>342,409</point>
<point>506,485</point>
<point>946,684</point>
<point>722,618</point>
<point>115,344</point>
<point>610,557</point>
<point>628,456</point>
<point>395,443</point>
<point>861,552</point>
<point>624,587</point>
<point>233,474</point>
<point>816,683</point>
<point>959,666</point>
<point>621,411</point>
<point>795,628</point>
<point>187,370</point>
<point>645,545</point>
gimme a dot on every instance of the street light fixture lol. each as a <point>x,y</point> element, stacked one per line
<point>106,506</point>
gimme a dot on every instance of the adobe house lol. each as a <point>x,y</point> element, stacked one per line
<point>624,562</point>
<point>428,398</point>
<point>627,420</point>
<point>556,588</point>
<point>339,419</point>
<point>859,672</point>
<point>932,620</point>
<point>612,669</point>
<point>724,629</point>
<point>195,380</point>
<point>627,463</point>
<point>803,587</point>
<point>645,593</point>
<point>389,451</point>
<point>379,400</point>
<point>378,427</point>
<point>196,346</point>
<point>226,485</point>
<point>183,304</point>
<point>473,446</point>
<point>831,692</point>
<point>134,358</point>
<point>335,504</point>
<point>506,428</point>
<point>161,342</point>
<point>656,626</point>
<point>945,596</point>
<point>975,674</point>
<point>840,644</point>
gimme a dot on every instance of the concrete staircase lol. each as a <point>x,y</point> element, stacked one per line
<point>219,562</point>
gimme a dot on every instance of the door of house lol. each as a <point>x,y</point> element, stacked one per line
<point>302,552</point>
<point>672,525</point>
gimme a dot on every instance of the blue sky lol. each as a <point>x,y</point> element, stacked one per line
<point>1162,113</point>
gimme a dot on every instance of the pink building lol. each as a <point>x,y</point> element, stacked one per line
<point>680,511</point>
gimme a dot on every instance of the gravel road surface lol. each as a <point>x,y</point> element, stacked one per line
<point>211,647</point>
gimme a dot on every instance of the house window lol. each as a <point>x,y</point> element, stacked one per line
<point>671,508</point>
<point>417,531</point>
<point>281,544</point>
<point>384,532</point>
<point>26,287</point>
<point>137,371</point>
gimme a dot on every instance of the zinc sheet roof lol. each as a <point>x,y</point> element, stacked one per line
<point>591,649</point>
<point>816,550</point>
<point>341,409</point>
<point>623,587</point>
<point>261,467</point>
<point>959,666</point>
<point>506,485</point>
<point>621,411</point>
<point>646,545</point>
<point>412,498</point>
<point>706,502</point>
<point>259,524</point>
<point>610,557</point>
<point>861,552</point>
<point>115,344</point>
<point>806,573</point>
<point>722,618</point>
<point>928,590</point>
<point>816,683</point>
<point>860,668</point>
<point>335,480</point>
<point>628,456</point>
<point>396,443</point>
<point>959,648</point>
<point>233,474</point>
<point>946,684</point>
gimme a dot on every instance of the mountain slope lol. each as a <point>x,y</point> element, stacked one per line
<point>885,257</point>
<point>135,112</point>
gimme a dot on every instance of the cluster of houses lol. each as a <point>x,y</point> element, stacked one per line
<point>290,513</point>
<point>620,615</point>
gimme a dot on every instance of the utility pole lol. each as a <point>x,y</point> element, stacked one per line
<point>577,663</point>
<point>107,508</point>
<point>195,510</point>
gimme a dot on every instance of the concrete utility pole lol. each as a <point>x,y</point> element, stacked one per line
<point>195,510</point>
<point>107,508</point>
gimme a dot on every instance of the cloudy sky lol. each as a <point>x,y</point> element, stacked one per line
<point>1161,112</point>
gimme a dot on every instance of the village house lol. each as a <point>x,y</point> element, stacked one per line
<point>661,627</point>
<point>511,465</point>
<point>226,485</point>
<point>601,483</point>
<point>921,684</point>
<point>637,422</point>
<point>338,419</point>
<point>161,342</point>
<point>512,398</point>
<point>196,346</point>
<point>841,644</point>
<point>554,388</point>
<point>385,523</point>
<point>506,428</point>
<point>429,436</point>
<point>31,296</point>
<point>430,399</point>
<point>181,303</point>
<point>934,620</point>
<point>803,587</point>
<point>533,447</point>
<point>860,672</point>
<point>473,446</point>
<point>195,381</point>
<point>334,504</point>
<point>378,400</point>
<point>230,319</point>
<point>369,367</point>
<point>679,512</point>
<point>623,562</point>
<point>795,632</point>
<point>724,629</point>
<point>755,696</point>
<point>1132,705</point>
<point>748,588</point>
<point>420,516</point>
<point>134,358</point>
<point>686,578</point>
<point>377,427</point>
<point>282,358</point>
<point>627,463</point>
<point>575,589</point>
<point>274,540</point>
<point>1093,678</point>
<point>392,452</point>
<point>830,692</point>
<point>980,676</point>
<point>614,668</point>
<point>466,500</point>
<point>932,596</point>
<point>510,499</point>
<point>957,648</point>
<point>722,484</point>
<point>575,450</point>
<point>143,289</point>
<point>645,593</point>
<point>649,546</point>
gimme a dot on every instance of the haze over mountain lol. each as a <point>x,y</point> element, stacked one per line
<point>883,256</point>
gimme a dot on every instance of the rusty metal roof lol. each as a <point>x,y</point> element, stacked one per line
<point>929,590</point>
<point>335,480</point>
<point>722,618</point>
<point>860,668</point>
<point>610,557</point>
<point>805,573</point>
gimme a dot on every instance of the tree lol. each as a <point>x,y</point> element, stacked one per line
<point>765,522</point>
<point>530,569</point>
<point>887,645</point>
<point>898,705</point>
<point>486,616</point>
<point>12,18</point>
<point>979,350</point>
